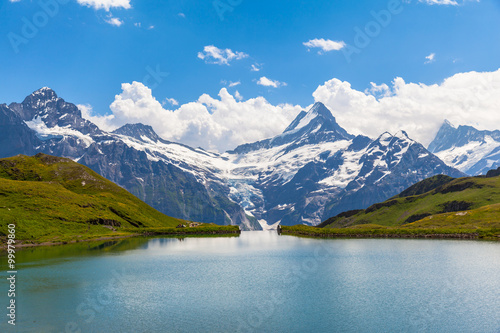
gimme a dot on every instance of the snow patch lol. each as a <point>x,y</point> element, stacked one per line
<point>46,133</point>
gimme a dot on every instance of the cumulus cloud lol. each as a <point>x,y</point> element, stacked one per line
<point>264,81</point>
<point>212,123</point>
<point>103,122</point>
<point>226,121</point>
<point>106,4</point>
<point>430,58</point>
<point>213,55</point>
<point>114,21</point>
<point>326,45</point>
<point>466,98</point>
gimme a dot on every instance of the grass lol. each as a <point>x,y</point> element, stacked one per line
<point>56,200</point>
<point>376,231</point>
<point>206,229</point>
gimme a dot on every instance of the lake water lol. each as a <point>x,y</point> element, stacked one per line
<point>258,282</point>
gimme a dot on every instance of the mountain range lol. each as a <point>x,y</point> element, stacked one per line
<point>314,170</point>
<point>470,150</point>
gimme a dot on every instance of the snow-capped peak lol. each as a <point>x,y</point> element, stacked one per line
<point>385,138</point>
<point>45,93</point>
<point>466,148</point>
<point>318,110</point>
<point>402,135</point>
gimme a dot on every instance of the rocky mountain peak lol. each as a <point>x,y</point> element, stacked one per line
<point>318,113</point>
<point>44,93</point>
<point>138,131</point>
<point>312,127</point>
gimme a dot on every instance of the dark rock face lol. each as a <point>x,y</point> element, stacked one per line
<point>54,111</point>
<point>139,132</point>
<point>493,173</point>
<point>16,137</point>
<point>426,185</point>
<point>456,206</point>
<point>163,186</point>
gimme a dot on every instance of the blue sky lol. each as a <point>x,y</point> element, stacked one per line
<point>86,58</point>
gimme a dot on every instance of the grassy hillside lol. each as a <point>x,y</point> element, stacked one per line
<point>53,199</point>
<point>452,200</point>
<point>440,206</point>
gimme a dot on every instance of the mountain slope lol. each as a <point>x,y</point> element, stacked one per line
<point>451,201</point>
<point>174,179</point>
<point>51,197</point>
<point>470,150</point>
<point>315,169</point>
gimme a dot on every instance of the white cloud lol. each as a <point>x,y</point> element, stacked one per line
<point>326,45</point>
<point>212,123</point>
<point>181,15</point>
<point>264,81</point>
<point>106,4</point>
<point>103,122</point>
<point>213,55</point>
<point>255,68</point>
<point>223,123</point>
<point>171,101</point>
<point>138,24</point>
<point>234,84</point>
<point>440,2</point>
<point>114,21</point>
<point>430,58</point>
<point>238,96</point>
<point>466,98</point>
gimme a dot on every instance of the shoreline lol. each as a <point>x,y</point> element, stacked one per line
<point>305,231</point>
<point>222,230</point>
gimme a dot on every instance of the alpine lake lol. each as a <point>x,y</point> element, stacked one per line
<point>258,281</point>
